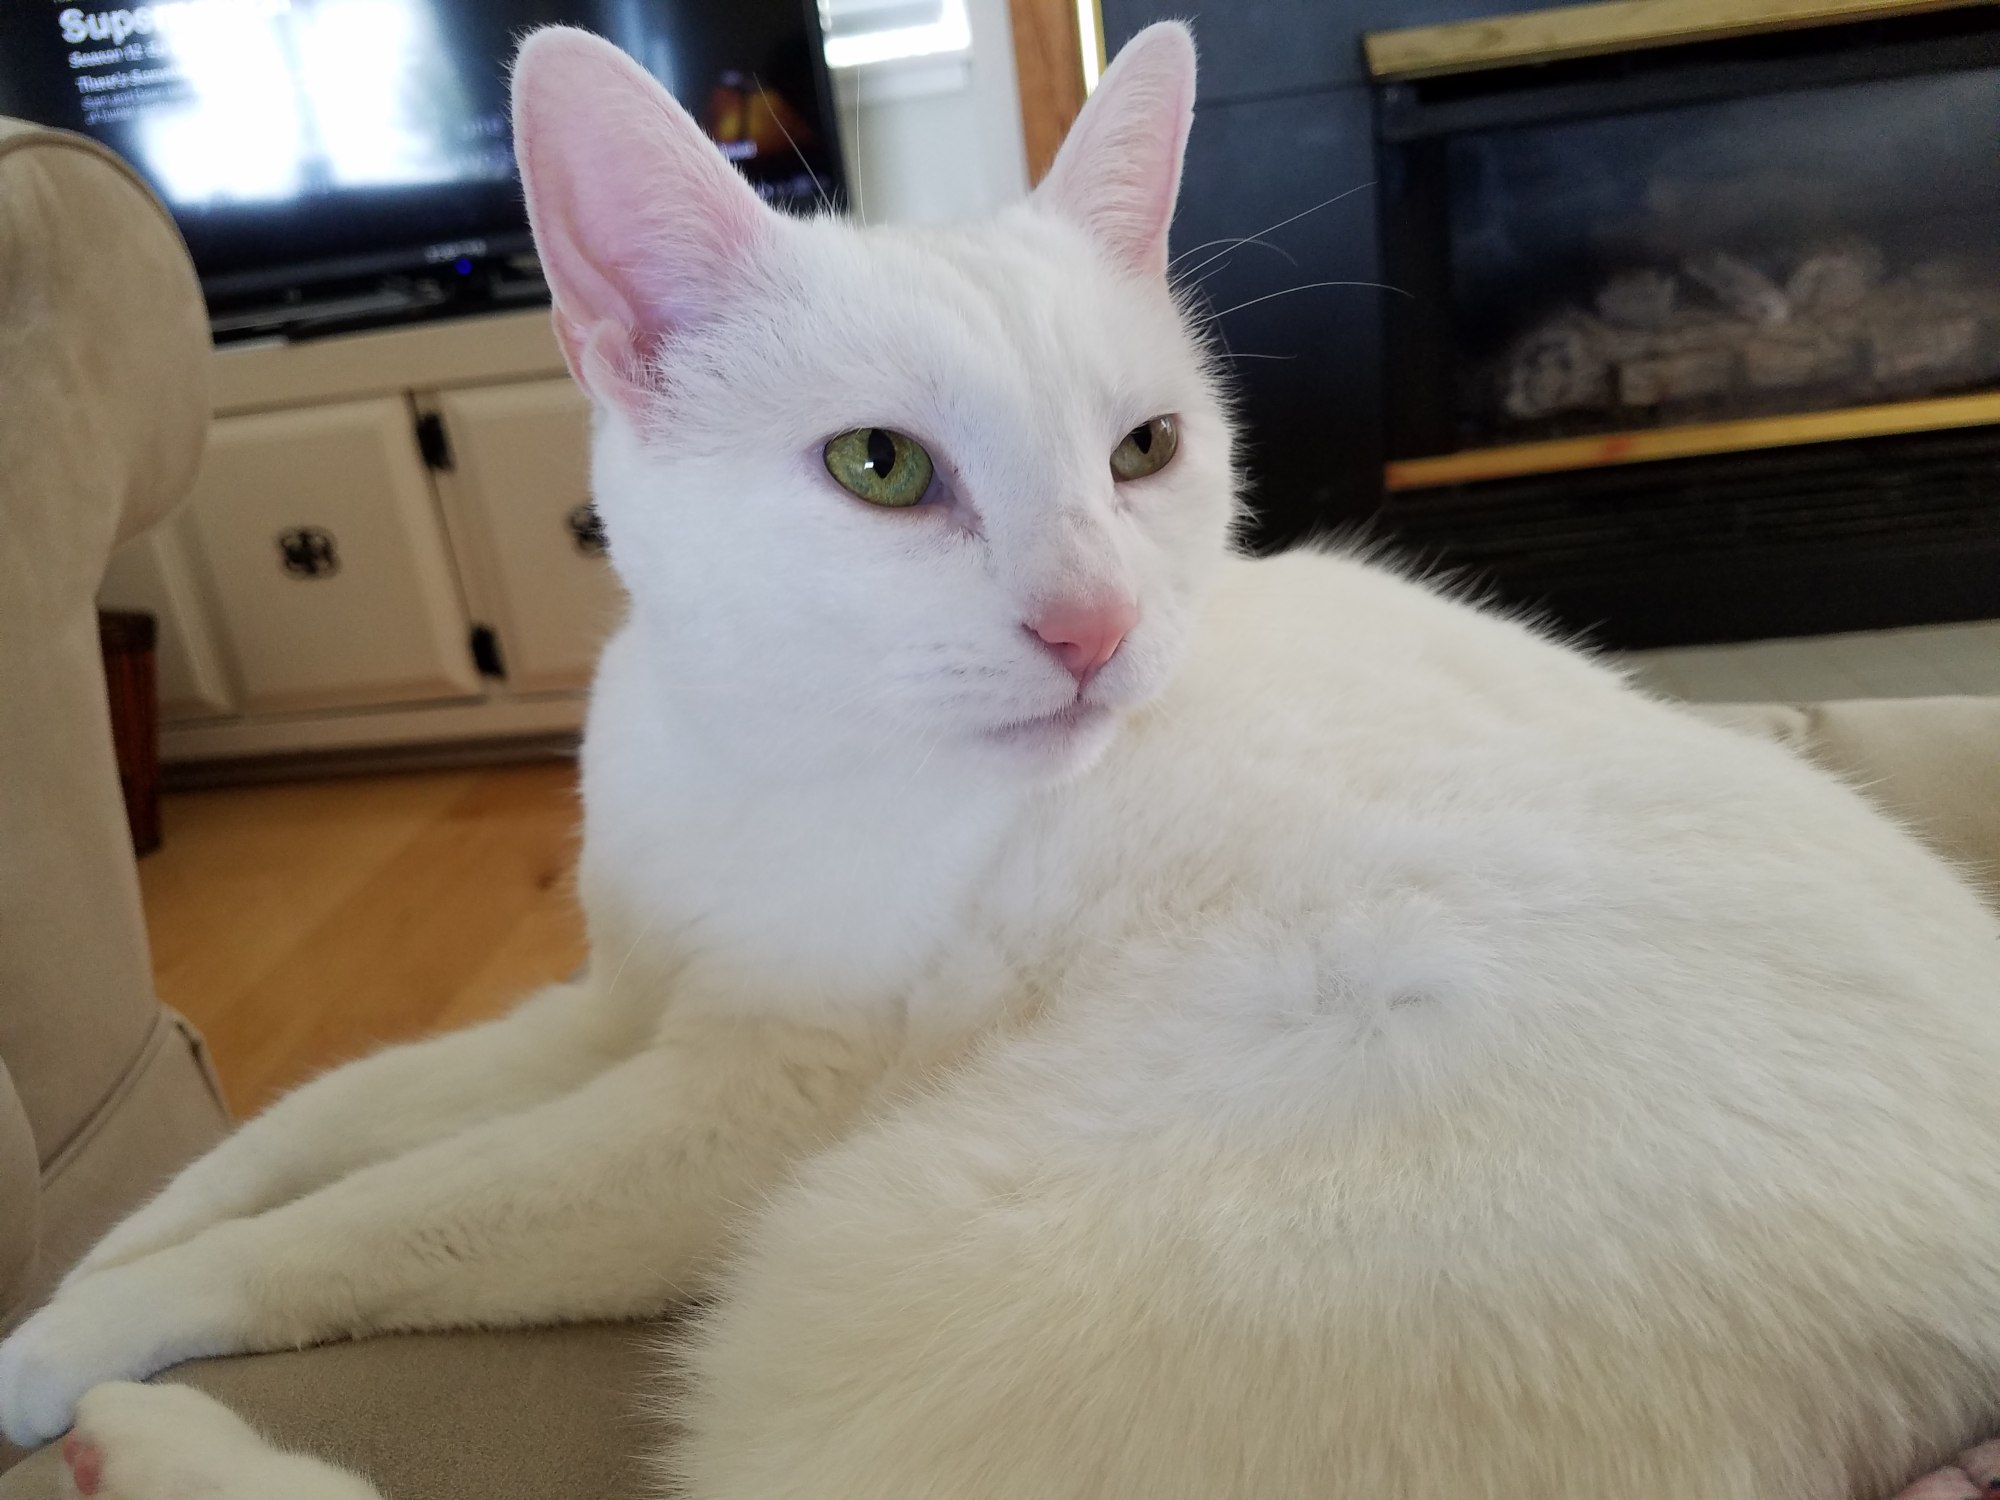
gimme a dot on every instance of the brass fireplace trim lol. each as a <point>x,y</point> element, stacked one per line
<point>1542,36</point>
<point>1561,454</point>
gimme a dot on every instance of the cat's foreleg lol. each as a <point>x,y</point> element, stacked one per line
<point>166,1442</point>
<point>610,1201</point>
<point>372,1109</point>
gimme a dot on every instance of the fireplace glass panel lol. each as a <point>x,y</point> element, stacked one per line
<point>1797,251</point>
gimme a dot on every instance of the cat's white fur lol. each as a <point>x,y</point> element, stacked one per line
<point>1372,1051</point>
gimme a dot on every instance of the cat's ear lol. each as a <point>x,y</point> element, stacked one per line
<point>642,226</point>
<point>1119,170</point>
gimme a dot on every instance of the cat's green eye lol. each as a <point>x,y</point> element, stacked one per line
<point>882,467</point>
<point>1145,450</point>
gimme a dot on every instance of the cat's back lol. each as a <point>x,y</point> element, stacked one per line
<point>1382,860</point>
<point>1462,1073</point>
<point>1340,728</point>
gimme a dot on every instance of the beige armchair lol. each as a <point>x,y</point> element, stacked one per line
<point>103,408</point>
<point>103,362</point>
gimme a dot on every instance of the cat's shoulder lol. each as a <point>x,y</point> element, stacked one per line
<point>1320,621</point>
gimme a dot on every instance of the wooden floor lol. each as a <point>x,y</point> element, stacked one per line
<point>300,925</point>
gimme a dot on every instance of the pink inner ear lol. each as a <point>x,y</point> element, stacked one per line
<point>1119,170</point>
<point>642,226</point>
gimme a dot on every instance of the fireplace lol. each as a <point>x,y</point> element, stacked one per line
<point>1697,338</point>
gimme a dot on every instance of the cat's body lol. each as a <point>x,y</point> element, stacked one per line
<point>1402,1100</point>
<point>1329,1042</point>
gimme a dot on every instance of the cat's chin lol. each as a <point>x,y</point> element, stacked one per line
<point>1064,743</point>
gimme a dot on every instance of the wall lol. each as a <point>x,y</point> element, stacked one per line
<point>929,140</point>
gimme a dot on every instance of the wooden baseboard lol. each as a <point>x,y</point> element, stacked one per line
<point>1691,441</point>
<point>374,729</point>
<point>368,760</point>
<point>1543,36</point>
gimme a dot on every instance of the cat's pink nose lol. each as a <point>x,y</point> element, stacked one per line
<point>1085,636</point>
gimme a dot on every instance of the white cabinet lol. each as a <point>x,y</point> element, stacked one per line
<point>389,547</point>
<point>518,495</point>
<point>323,543</point>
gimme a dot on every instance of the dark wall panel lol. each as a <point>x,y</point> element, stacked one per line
<point>1307,358</point>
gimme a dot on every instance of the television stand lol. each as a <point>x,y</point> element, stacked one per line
<point>389,555</point>
<point>455,289</point>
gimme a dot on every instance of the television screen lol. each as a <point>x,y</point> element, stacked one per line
<point>297,140</point>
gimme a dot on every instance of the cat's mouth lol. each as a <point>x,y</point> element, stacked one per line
<point>1052,731</point>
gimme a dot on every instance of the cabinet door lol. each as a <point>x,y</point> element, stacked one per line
<point>329,564</point>
<point>521,482</point>
<point>154,572</point>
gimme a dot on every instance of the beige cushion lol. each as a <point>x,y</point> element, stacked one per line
<point>1933,762</point>
<point>20,1197</point>
<point>104,363</point>
<point>164,1112</point>
<point>552,1414</point>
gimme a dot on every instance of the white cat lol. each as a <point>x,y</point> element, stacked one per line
<point>1104,1018</point>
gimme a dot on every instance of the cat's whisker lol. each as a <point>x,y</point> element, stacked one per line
<point>825,198</point>
<point>936,739</point>
<point>645,932</point>
<point>1223,259</point>
<point>1380,286</point>
<point>1228,245</point>
<point>1257,238</point>
<point>860,192</point>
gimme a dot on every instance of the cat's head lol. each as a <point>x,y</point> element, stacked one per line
<point>904,495</point>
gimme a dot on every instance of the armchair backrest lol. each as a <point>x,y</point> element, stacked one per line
<point>104,406</point>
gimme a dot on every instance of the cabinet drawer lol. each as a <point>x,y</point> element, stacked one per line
<point>520,486</point>
<point>329,565</point>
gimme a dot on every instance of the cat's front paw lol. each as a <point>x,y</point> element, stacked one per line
<point>135,1239</point>
<point>121,1324</point>
<point>221,1186</point>
<point>166,1442</point>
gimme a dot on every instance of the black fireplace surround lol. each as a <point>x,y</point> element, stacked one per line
<point>1798,221</point>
